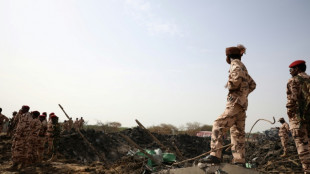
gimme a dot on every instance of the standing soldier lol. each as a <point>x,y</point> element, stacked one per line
<point>65,126</point>
<point>42,138</point>
<point>70,123</point>
<point>81,124</point>
<point>49,134</point>
<point>240,85</point>
<point>3,119</point>
<point>11,124</point>
<point>55,133</point>
<point>19,148</point>
<point>284,135</point>
<point>76,124</point>
<point>32,141</point>
<point>298,110</point>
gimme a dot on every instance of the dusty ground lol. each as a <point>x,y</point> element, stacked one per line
<point>77,157</point>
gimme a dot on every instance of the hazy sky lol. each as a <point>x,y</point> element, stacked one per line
<point>158,61</point>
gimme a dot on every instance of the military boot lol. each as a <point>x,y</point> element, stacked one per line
<point>54,157</point>
<point>284,154</point>
<point>211,159</point>
<point>14,167</point>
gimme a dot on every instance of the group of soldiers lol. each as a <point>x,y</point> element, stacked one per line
<point>31,132</point>
<point>68,125</point>
<point>240,84</point>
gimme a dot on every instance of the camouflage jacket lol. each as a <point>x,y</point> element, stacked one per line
<point>23,126</point>
<point>284,130</point>
<point>293,95</point>
<point>35,126</point>
<point>49,128</point>
<point>56,130</point>
<point>2,118</point>
<point>240,84</point>
<point>43,128</point>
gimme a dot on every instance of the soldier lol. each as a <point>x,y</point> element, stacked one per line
<point>3,119</point>
<point>70,123</point>
<point>284,135</point>
<point>32,140</point>
<point>76,124</point>
<point>48,133</point>
<point>55,133</point>
<point>19,148</point>
<point>42,138</point>
<point>297,112</point>
<point>240,85</point>
<point>81,123</point>
<point>11,124</point>
<point>65,126</point>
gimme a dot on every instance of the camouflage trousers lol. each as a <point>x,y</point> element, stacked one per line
<point>50,143</point>
<point>302,145</point>
<point>233,118</point>
<point>19,150</point>
<point>32,145</point>
<point>40,150</point>
<point>284,140</point>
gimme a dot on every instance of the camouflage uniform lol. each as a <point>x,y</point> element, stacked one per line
<point>32,140</point>
<point>41,139</point>
<point>298,128</point>
<point>239,84</point>
<point>284,136</point>
<point>70,124</point>
<point>55,134</point>
<point>81,123</point>
<point>76,124</point>
<point>2,118</point>
<point>19,145</point>
<point>49,135</point>
<point>65,126</point>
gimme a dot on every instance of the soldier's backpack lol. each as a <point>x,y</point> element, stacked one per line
<point>304,100</point>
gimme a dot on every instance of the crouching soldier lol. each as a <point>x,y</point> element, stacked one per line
<point>55,134</point>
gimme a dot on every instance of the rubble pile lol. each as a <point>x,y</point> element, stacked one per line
<point>265,156</point>
<point>114,147</point>
<point>76,156</point>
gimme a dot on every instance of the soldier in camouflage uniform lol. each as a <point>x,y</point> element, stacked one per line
<point>81,123</point>
<point>55,133</point>
<point>70,124</point>
<point>41,138</point>
<point>19,143</point>
<point>32,140</point>
<point>48,133</point>
<point>76,124</point>
<point>11,126</point>
<point>3,119</point>
<point>284,135</point>
<point>294,108</point>
<point>240,85</point>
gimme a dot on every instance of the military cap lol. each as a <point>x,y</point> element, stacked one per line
<point>296,63</point>
<point>42,116</point>
<point>25,107</point>
<point>54,116</point>
<point>232,50</point>
<point>238,50</point>
<point>281,119</point>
